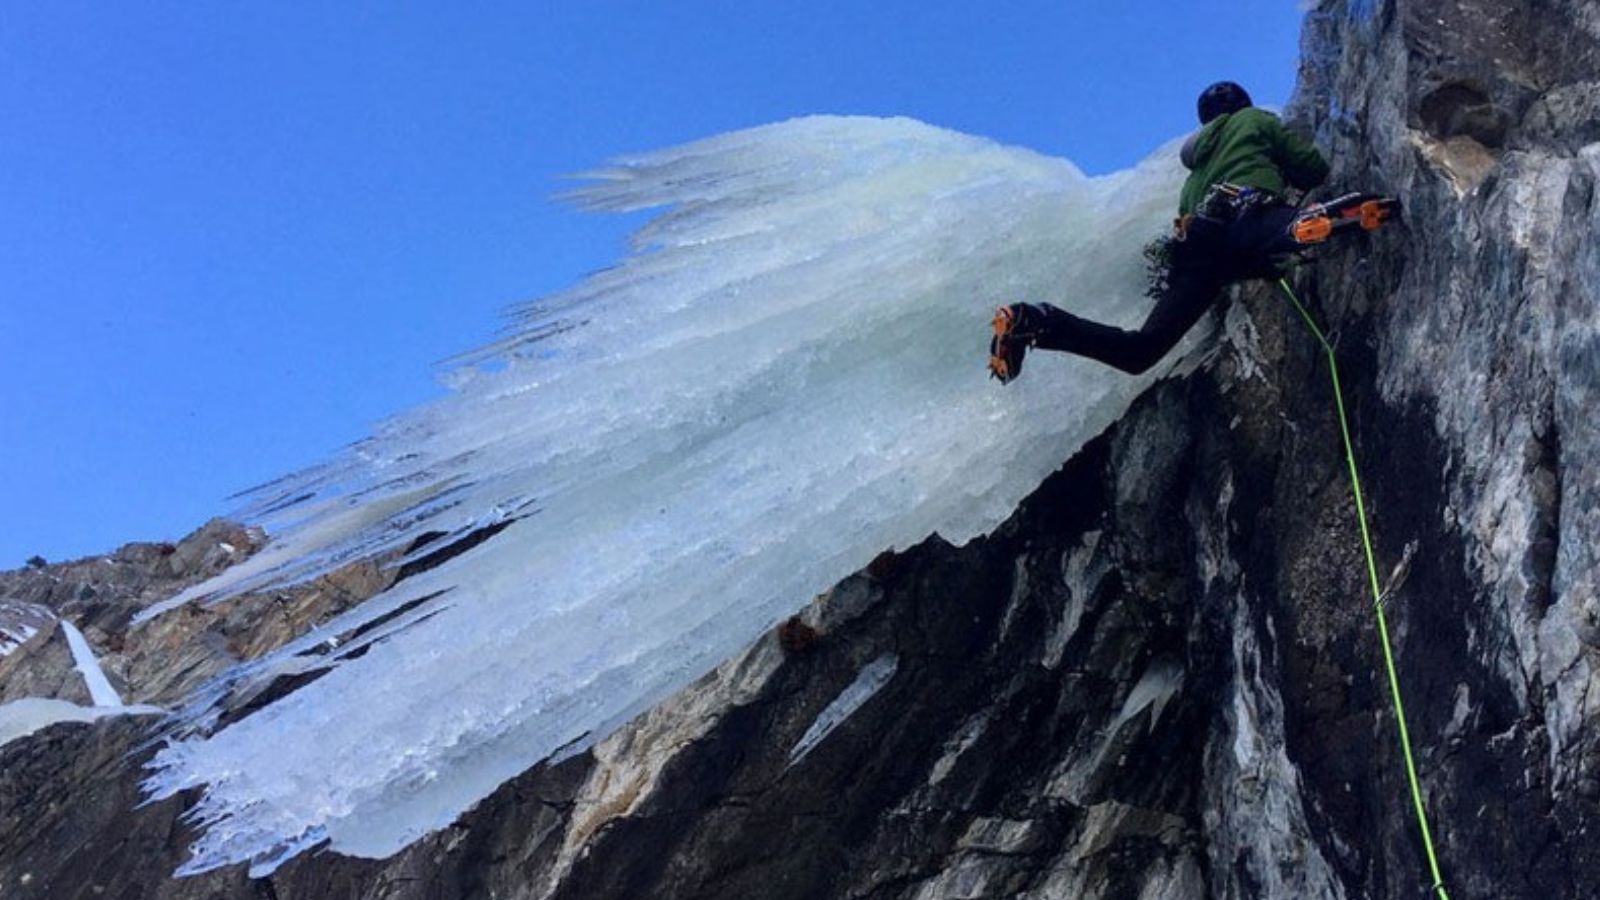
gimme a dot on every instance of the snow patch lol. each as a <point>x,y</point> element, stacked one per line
<point>20,622</point>
<point>23,717</point>
<point>15,636</point>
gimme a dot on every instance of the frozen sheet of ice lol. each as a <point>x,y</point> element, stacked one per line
<point>784,379</point>
<point>873,676</point>
<point>1156,686</point>
<point>88,665</point>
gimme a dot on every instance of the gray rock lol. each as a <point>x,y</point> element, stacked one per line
<point>35,660</point>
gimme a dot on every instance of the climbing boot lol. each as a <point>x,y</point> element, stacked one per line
<point>1015,330</point>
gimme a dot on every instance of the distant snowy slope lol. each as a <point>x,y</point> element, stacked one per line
<point>786,378</point>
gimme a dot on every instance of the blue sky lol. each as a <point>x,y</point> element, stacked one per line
<point>233,237</point>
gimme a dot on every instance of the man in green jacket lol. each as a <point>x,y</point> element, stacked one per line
<point>1234,223</point>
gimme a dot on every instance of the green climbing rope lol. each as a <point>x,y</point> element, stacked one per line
<point>1377,597</point>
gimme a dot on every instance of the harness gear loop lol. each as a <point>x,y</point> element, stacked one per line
<point>1224,201</point>
<point>1377,596</point>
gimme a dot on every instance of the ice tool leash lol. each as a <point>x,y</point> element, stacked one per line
<point>1377,598</point>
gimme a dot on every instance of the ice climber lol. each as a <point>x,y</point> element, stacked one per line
<point>1235,223</point>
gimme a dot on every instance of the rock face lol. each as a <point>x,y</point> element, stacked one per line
<point>160,661</point>
<point>100,595</point>
<point>1160,678</point>
<point>35,660</point>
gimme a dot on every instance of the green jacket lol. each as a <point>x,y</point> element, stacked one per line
<point>1250,148</point>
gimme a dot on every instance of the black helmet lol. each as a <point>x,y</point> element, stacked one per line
<point>1222,97</point>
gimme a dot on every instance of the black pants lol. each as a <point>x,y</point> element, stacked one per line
<point>1215,255</point>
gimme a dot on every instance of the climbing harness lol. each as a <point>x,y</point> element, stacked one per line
<point>1377,592</point>
<point>1225,202</point>
<point>1222,203</point>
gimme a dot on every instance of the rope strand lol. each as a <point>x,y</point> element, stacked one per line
<point>1377,598</point>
